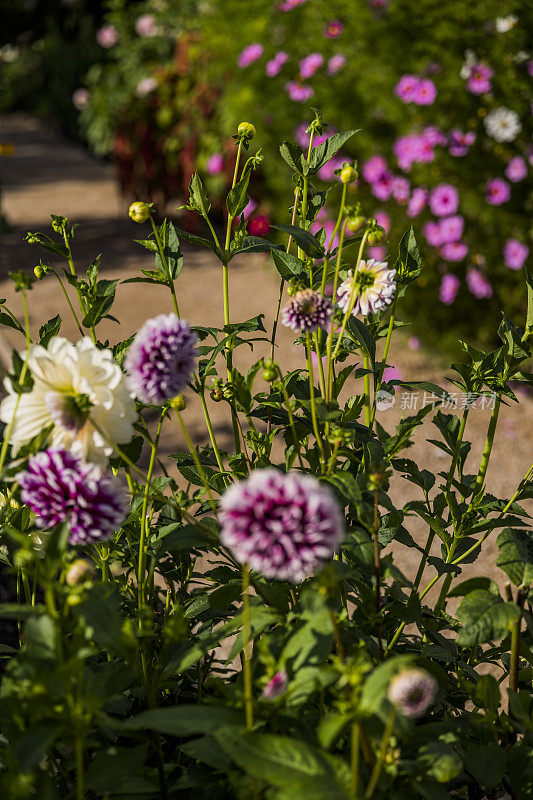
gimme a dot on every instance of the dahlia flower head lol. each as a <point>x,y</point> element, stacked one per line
<point>375,286</point>
<point>412,692</point>
<point>73,385</point>
<point>282,525</point>
<point>503,124</point>
<point>161,359</point>
<point>276,687</point>
<point>307,311</point>
<point>59,487</point>
<point>449,288</point>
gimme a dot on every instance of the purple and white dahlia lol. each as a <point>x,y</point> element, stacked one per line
<point>413,691</point>
<point>161,359</point>
<point>307,311</point>
<point>373,288</point>
<point>283,525</point>
<point>60,487</point>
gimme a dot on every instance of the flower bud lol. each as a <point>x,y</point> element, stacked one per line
<point>269,374</point>
<point>276,687</point>
<point>178,403</point>
<point>40,271</point>
<point>355,223</point>
<point>376,236</point>
<point>83,287</point>
<point>80,572</point>
<point>348,174</point>
<point>139,211</point>
<point>246,130</point>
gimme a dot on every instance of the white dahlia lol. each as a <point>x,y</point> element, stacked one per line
<point>73,384</point>
<point>503,124</point>
<point>374,286</point>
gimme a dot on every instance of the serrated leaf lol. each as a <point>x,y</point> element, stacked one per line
<point>305,240</point>
<point>322,153</point>
<point>198,196</point>
<point>516,555</point>
<point>294,157</point>
<point>288,265</point>
<point>485,617</point>
<point>49,329</point>
<point>237,198</point>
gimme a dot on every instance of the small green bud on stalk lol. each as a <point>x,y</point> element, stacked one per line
<point>376,236</point>
<point>356,223</point>
<point>139,211</point>
<point>348,174</point>
<point>178,403</point>
<point>41,271</point>
<point>246,131</point>
<point>269,374</point>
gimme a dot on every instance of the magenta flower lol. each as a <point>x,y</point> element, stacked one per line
<point>145,25</point>
<point>283,525</point>
<point>249,209</point>
<point>459,142</point>
<point>307,311</point>
<point>59,487</point>
<point>327,171</point>
<point>383,219</point>
<point>374,168</point>
<point>516,169</point>
<point>425,93</point>
<point>333,29</point>
<point>406,88</point>
<point>451,229</point>
<point>335,64</point>
<point>454,251</point>
<point>400,189</point>
<point>288,5</point>
<point>417,201</point>
<point>411,149</point>
<point>434,136</point>
<point>276,687</point>
<point>444,200</point>
<point>215,164</point>
<point>497,191</point>
<point>259,225</point>
<point>448,288</point>
<point>274,66</point>
<point>432,233</point>
<point>478,285</point>
<point>479,79</point>
<point>107,36</point>
<point>413,343</point>
<point>250,54</point>
<point>298,92</point>
<point>413,691</point>
<point>161,359</point>
<point>378,253</point>
<point>392,374</point>
<point>310,64</point>
<point>515,254</point>
<point>382,188</point>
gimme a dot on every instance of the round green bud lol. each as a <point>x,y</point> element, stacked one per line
<point>22,558</point>
<point>40,271</point>
<point>348,174</point>
<point>268,363</point>
<point>355,223</point>
<point>178,403</point>
<point>269,375</point>
<point>377,236</point>
<point>246,130</point>
<point>31,238</point>
<point>80,572</point>
<point>139,211</point>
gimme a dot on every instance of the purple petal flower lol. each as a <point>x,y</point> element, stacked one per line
<point>434,136</point>
<point>288,5</point>
<point>479,79</point>
<point>454,251</point>
<point>497,191</point>
<point>451,229</point>
<point>417,201</point>
<point>283,525</point>
<point>374,168</point>
<point>478,285</point>
<point>215,164</point>
<point>276,686</point>
<point>413,691</point>
<point>59,487</point>
<point>400,189</point>
<point>444,200</point>
<point>383,220</point>
<point>413,343</point>
<point>310,64</point>
<point>161,359</point>
<point>515,254</point>
<point>333,29</point>
<point>425,93</point>
<point>335,64</point>
<point>516,169</point>
<point>307,311</point>
<point>432,232</point>
<point>448,288</point>
<point>249,55</point>
<point>275,65</point>
<point>145,25</point>
<point>107,36</point>
<point>459,142</point>
<point>382,188</point>
<point>298,92</point>
<point>406,88</point>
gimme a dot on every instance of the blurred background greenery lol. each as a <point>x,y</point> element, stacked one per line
<point>159,86</point>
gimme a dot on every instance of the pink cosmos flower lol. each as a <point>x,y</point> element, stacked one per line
<point>516,169</point>
<point>460,142</point>
<point>411,149</point>
<point>451,229</point>
<point>298,92</point>
<point>250,54</point>
<point>406,88</point>
<point>417,201</point>
<point>515,254</point>
<point>400,189</point>
<point>335,64</point>
<point>479,79</point>
<point>215,164</point>
<point>107,36</point>
<point>478,285</point>
<point>425,93</point>
<point>454,251</point>
<point>382,188</point>
<point>259,226</point>
<point>145,25</point>
<point>145,86</point>
<point>413,343</point>
<point>333,29</point>
<point>449,288</point>
<point>434,136</point>
<point>274,66</point>
<point>392,374</point>
<point>432,232</point>
<point>327,171</point>
<point>288,5</point>
<point>310,64</point>
<point>383,219</point>
<point>444,200</point>
<point>374,168</point>
<point>497,191</point>
<point>80,98</point>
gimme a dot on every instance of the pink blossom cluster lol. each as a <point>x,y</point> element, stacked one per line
<point>459,143</point>
<point>478,78</point>
<point>478,285</point>
<point>274,66</point>
<point>497,191</point>
<point>515,254</point>
<point>250,54</point>
<point>288,5</point>
<point>413,89</point>
<point>417,148</point>
<point>333,29</point>
<point>299,92</point>
<point>310,64</point>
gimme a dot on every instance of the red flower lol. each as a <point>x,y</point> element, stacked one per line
<point>259,226</point>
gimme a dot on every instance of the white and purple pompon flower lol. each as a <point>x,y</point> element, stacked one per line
<point>307,311</point>
<point>161,360</point>
<point>276,687</point>
<point>373,288</point>
<point>413,691</point>
<point>59,487</point>
<point>283,525</point>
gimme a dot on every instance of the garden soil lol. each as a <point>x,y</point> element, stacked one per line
<point>48,175</point>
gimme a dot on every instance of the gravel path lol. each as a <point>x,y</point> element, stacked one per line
<point>49,175</point>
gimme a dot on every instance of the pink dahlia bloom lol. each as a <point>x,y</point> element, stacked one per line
<point>516,169</point>
<point>417,201</point>
<point>444,200</point>
<point>333,29</point>
<point>373,288</point>
<point>107,36</point>
<point>413,691</point>
<point>374,168</point>
<point>145,25</point>
<point>478,285</point>
<point>459,142</point>
<point>382,188</point>
<point>515,254</point>
<point>307,311</point>
<point>161,359</point>
<point>448,288</point>
<point>215,164</point>
<point>406,88</point>
<point>298,92</point>
<point>335,64</point>
<point>249,55</point>
<point>275,65</point>
<point>282,525</point>
<point>59,487</point>
<point>259,225</point>
<point>276,687</point>
<point>432,233</point>
<point>451,228</point>
<point>454,251</point>
<point>400,189</point>
<point>497,192</point>
<point>425,93</point>
<point>479,79</point>
<point>310,64</point>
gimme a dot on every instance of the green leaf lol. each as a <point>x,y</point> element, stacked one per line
<point>485,617</point>
<point>40,638</point>
<point>184,720</point>
<point>322,153</point>
<point>486,763</point>
<point>361,334</point>
<point>465,587</point>
<point>516,555</point>
<point>305,240</point>
<point>115,770</point>
<point>294,157</point>
<point>529,315</point>
<point>171,250</point>
<point>198,196</point>
<point>49,329</point>
<point>101,304</point>
<point>256,244</point>
<point>408,264</point>
<point>486,692</point>
<point>6,320</point>
<point>237,198</point>
<point>440,761</point>
<point>32,745</point>
<point>288,265</point>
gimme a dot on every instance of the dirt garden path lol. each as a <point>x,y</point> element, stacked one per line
<point>49,175</point>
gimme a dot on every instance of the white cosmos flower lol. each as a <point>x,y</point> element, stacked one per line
<point>503,124</point>
<point>73,384</point>
<point>374,288</point>
<point>504,24</point>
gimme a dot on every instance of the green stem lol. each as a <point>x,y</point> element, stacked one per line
<point>333,458</point>
<point>376,772</point>
<point>67,298</point>
<point>141,576</point>
<point>354,761</point>
<point>339,219</point>
<point>166,268</point>
<point>230,218</point>
<point>515,644</point>
<point>282,284</point>
<point>366,385</point>
<point>353,296</point>
<point>379,381</point>
<point>321,379</point>
<point>213,234</point>
<point>313,400</point>
<point>81,301</point>
<point>329,341</point>
<point>196,460</point>
<point>80,794</point>
<point>305,188</point>
<point>9,430</point>
<point>211,432</point>
<point>247,672</point>
<point>291,417</point>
